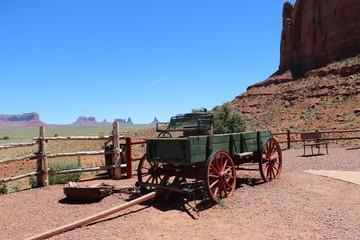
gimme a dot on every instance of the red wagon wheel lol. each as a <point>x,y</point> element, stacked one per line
<point>220,176</point>
<point>149,172</point>
<point>270,163</point>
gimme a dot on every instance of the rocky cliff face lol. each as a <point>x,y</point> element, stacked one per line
<point>324,99</point>
<point>20,117</point>
<point>317,32</point>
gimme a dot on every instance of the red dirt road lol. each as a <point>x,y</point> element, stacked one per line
<point>299,205</point>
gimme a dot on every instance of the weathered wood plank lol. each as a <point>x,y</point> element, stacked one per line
<point>4,180</point>
<point>94,217</point>
<point>20,158</point>
<point>81,138</point>
<point>116,151</point>
<point>15,145</point>
<point>73,154</point>
<point>77,170</point>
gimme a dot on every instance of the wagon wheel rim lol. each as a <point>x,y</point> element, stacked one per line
<point>270,163</point>
<point>149,172</point>
<point>164,135</point>
<point>220,179</point>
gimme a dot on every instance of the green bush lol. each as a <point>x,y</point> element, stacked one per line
<point>3,189</point>
<point>227,121</point>
<point>6,138</point>
<point>61,178</point>
<point>64,165</point>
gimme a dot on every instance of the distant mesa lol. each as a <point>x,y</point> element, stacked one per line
<point>20,117</point>
<point>124,121</point>
<point>86,119</point>
<point>20,120</point>
<point>82,120</point>
<point>155,121</point>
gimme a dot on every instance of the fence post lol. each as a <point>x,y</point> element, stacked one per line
<point>128,157</point>
<point>116,148</point>
<point>288,139</point>
<point>42,163</point>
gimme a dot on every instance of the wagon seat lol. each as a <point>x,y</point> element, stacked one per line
<point>196,124</point>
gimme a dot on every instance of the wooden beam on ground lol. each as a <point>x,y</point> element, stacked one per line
<point>94,217</point>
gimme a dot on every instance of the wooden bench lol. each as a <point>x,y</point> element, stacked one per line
<point>316,137</point>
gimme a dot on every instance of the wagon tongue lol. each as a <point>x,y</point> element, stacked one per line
<point>166,187</point>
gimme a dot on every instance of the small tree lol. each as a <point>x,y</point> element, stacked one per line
<point>227,121</point>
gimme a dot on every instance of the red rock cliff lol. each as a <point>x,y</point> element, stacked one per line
<point>317,32</point>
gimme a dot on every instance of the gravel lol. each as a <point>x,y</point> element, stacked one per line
<point>299,205</point>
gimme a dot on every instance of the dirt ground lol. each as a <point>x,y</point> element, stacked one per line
<point>299,205</point>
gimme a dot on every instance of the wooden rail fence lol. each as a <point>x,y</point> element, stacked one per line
<point>290,139</point>
<point>118,164</point>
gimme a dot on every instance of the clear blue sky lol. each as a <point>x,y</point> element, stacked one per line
<point>132,58</point>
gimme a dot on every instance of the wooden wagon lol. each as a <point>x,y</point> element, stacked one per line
<point>211,158</point>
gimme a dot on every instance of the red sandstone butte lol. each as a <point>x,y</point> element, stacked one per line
<point>317,32</point>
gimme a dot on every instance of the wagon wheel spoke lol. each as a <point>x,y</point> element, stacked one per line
<point>216,190</point>
<point>217,165</point>
<point>270,173</point>
<point>224,164</point>
<point>276,169</point>
<point>214,176</point>
<point>214,183</point>
<point>265,167</point>
<point>227,184</point>
<point>229,169</point>
<point>214,169</point>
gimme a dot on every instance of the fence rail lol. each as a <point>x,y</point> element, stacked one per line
<point>290,140</point>
<point>118,165</point>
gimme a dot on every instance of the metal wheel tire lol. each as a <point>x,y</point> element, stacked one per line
<point>164,135</point>
<point>149,172</point>
<point>220,176</point>
<point>270,163</point>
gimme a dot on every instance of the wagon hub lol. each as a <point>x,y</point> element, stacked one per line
<point>224,176</point>
<point>273,160</point>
